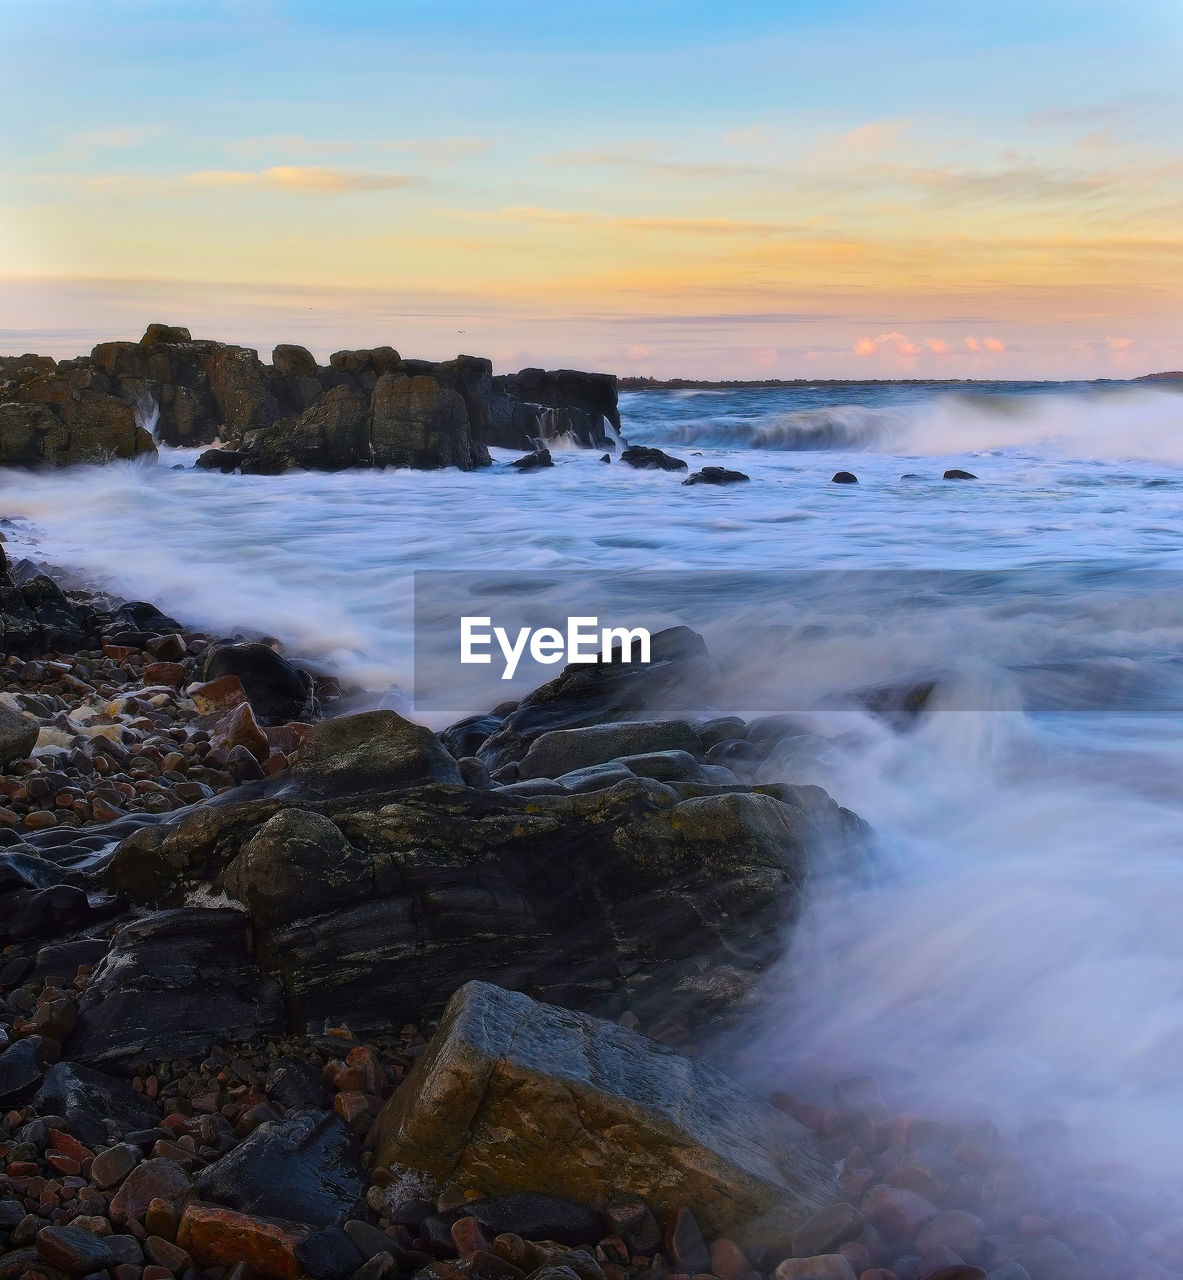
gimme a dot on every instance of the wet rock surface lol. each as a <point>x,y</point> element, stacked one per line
<point>364,408</point>
<point>513,1095</point>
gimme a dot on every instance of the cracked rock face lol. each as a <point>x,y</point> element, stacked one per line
<point>512,1095</point>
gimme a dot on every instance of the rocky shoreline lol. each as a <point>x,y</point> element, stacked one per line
<point>288,992</point>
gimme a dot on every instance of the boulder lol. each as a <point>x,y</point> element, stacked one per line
<point>956,473</point>
<point>218,1237</point>
<point>716,475</point>
<point>373,751</point>
<point>533,461</point>
<point>305,1167</point>
<point>512,1095</point>
<point>330,434</point>
<point>646,459</point>
<point>20,1073</point>
<point>94,1107</point>
<point>297,865</point>
<point>18,736</point>
<point>844,477</point>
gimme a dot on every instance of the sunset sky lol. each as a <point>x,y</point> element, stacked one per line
<point>810,189</point>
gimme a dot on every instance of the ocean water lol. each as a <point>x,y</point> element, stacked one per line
<point>1017,943</point>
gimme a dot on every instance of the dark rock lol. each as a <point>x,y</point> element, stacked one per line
<point>955,473</point>
<point>607,457</point>
<point>305,1168</point>
<point>45,913</point>
<point>328,1254</point>
<point>562,403</point>
<point>532,461</point>
<point>20,1073</point>
<point>465,737</point>
<point>170,986</point>
<point>298,864</point>
<point>276,690</point>
<point>844,477</point>
<point>716,475</point>
<point>511,1094</point>
<point>529,1214</point>
<point>684,1244</point>
<point>417,422</point>
<point>646,459</point>
<point>224,460</point>
<point>75,1251</point>
<point>94,1106</point>
<point>295,1084</point>
<point>373,751</point>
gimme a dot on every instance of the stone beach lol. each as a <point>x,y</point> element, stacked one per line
<point>218,1057</point>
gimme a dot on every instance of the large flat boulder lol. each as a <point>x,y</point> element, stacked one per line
<point>562,750</point>
<point>512,1095</point>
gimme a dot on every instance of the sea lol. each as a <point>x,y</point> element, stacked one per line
<point>1015,943</point>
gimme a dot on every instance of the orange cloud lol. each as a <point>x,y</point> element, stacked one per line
<point>1119,344</point>
<point>973,344</point>
<point>994,345</point>
<point>937,345</point>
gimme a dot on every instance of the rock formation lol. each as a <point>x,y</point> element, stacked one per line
<point>364,408</point>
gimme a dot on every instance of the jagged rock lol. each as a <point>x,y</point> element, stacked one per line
<point>416,422</point>
<point>94,1105</point>
<point>170,986</point>
<point>646,459</point>
<point>218,1237</point>
<point>511,1095</point>
<point>716,475</point>
<point>276,690</point>
<point>330,434</point>
<point>580,403</point>
<point>306,1167</point>
<point>533,461</point>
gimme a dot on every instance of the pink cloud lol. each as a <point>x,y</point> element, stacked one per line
<point>994,345</point>
<point>937,346</point>
<point>973,344</point>
<point>886,344</point>
<point>1119,344</point>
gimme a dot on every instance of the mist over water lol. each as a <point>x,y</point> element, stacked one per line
<point>1016,942</point>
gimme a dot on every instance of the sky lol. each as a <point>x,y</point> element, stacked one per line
<point>809,188</point>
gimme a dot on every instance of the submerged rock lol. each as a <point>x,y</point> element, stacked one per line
<point>844,477</point>
<point>511,1095</point>
<point>646,459</point>
<point>533,461</point>
<point>716,475</point>
<point>955,473</point>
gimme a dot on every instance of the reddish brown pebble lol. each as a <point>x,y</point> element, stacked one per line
<point>213,1237</point>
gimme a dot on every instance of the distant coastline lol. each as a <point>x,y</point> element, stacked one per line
<point>706,384</point>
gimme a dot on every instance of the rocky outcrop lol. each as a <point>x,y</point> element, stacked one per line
<point>511,1095</point>
<point>364,408</point>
